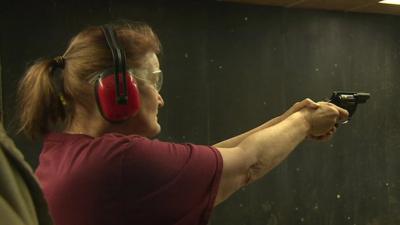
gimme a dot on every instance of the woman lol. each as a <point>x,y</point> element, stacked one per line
<point>97,171</point>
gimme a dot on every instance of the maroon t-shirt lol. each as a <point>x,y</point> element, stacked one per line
<point>126,180</point>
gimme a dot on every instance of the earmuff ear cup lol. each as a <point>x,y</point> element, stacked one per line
<point>105,89</point>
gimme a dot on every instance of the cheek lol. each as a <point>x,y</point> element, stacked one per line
<point>147,105</point>
<point>148,111</point>
<point>149,101</point>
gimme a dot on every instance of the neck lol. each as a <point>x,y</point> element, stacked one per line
<point>91,124</point>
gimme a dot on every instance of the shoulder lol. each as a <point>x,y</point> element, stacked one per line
<point>167,151</point>
<point>127,144</point>
<point>159,159</point>
<point>156,169</point>
<point>138,154</point>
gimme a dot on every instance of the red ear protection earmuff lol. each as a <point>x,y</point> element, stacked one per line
<point>117,94</point>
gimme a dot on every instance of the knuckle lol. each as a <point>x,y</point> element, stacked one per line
<point>333,109</point>
<point>337,113</point>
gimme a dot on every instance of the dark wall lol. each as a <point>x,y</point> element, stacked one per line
<point>229,68</point>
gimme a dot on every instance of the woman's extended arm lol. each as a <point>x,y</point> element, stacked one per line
<point>262,150</point>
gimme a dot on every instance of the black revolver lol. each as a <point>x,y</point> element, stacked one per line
<point>348,100</point>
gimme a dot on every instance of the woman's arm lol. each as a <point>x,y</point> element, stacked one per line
<point>232,142</point>
<point>262,150</point>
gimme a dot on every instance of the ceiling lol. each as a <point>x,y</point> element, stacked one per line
<point>365,6</point>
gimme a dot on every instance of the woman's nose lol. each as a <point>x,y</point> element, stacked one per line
<point>160,101</point>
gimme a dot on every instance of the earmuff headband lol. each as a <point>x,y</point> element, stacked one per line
<point>119,59</point>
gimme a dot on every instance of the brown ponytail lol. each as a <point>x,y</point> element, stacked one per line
<point>39,103</point>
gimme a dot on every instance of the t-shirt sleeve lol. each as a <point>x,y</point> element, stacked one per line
<point>177,183</point>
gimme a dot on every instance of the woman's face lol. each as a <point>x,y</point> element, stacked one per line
<point>146,121</point>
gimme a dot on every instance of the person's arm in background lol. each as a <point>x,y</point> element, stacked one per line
<point>232,142</point>
<point>21,199</point>
<point>259,152</point>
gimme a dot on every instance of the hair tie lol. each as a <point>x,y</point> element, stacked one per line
<point>59,62</point>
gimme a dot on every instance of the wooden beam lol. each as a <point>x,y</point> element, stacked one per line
<point>366,6</point>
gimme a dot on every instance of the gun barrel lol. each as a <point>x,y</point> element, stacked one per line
<point>362,97</point>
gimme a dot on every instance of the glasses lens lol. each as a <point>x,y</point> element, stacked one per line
<point>157,79</point>
<point>154,78</point>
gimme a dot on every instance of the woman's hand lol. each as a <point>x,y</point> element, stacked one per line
<point>323,120</point>
<point>306,103</point>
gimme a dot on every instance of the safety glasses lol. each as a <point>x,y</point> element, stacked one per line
<point>155,78</point>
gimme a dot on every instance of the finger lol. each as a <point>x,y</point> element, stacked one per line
<point>343,114</point>
<point>326,136</point>
<point>334,129</point>
<point>306,103</point>
<point>331,132</point>
<point>300,105</point>
<point>331,104</point>
<point>310,103</point>
<point>325,103</point>
<point>321,138</point>
<point>312,137</point>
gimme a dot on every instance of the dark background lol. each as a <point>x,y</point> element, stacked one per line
<point>229,68</point>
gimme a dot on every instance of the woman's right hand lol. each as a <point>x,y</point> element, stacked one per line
<point>323,119</point>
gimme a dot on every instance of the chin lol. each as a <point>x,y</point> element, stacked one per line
<point>154,131</point>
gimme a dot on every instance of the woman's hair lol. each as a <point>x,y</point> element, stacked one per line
<point>48,95</point>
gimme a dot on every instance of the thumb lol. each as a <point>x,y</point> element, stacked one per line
<point>307,103</point>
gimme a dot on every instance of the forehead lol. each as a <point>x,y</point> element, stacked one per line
<point>151,61</point>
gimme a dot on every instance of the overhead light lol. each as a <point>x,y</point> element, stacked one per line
<point>393,2</point>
